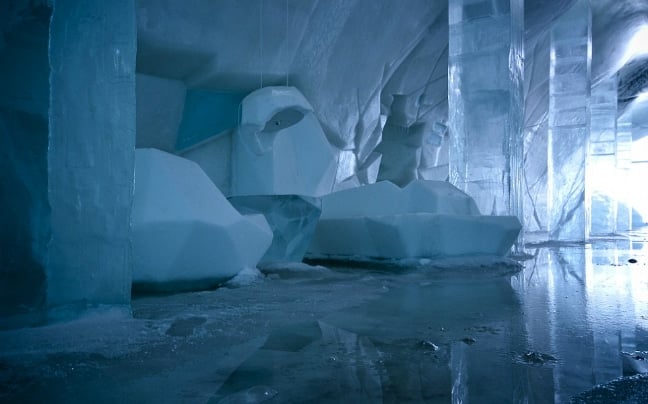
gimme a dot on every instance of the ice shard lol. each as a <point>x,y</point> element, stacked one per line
<point>280,147</point>
<point>623,170</point>
<point>186,235</point>
<point>601,160</point>
<point>485,92</point>
<point>91,151</point>
<point>569,123</point>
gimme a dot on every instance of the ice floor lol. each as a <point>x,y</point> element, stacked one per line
<point>573,317</point>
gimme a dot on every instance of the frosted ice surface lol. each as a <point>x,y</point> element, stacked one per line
<point>423,219</point>
<point>185,233</point>
<point>280,147</point>
<point>292,219</point>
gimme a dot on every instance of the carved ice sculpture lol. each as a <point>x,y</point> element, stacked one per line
<point>423,219</point>
<point>186,235</point>
<point>292,219</point>
<point>280,148</point>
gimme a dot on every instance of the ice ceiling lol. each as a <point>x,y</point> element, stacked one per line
<point>355,60</point>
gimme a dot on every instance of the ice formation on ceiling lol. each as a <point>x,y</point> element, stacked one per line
<point>186,235</point>
<point>423,219</point>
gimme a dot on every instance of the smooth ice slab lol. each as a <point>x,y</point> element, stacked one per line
<point>423,219</point>
<point>186,235</point>
<point>292,219</point>
<point>280,147</point>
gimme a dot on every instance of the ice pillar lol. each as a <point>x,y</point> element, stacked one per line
<point>569,123</point>
<point>485,95</point>
<point>623,171</point>
<point>91,151</point>
<point>601,162</point>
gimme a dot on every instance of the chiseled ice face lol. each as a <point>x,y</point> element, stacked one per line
<point>280,147</point>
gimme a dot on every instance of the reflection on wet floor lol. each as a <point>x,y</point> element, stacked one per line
<point>573,317</point>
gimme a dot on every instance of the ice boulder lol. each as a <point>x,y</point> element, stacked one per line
<point>423,219</point>
<point>292,219</point>
<point>186,235</point>
<point>280,147</point>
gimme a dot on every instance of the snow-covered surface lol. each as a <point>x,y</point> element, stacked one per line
<point>280,147</point>
<point>423,219</point>
<point>315,334</point>
<point>185,233</point>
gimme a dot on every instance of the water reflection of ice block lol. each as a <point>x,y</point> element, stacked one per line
<point>569,123</point>
<point>486,54</point>
<point>601,162</point>
<point>280,147</point>
<point>292,219</point>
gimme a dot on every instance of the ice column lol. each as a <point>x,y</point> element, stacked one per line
<point>601,161</point>
<point>569,123</point>
<point>485,95</point>
<point>623,171</point>
<point>91,151</point>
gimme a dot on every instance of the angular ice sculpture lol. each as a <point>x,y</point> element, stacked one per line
<point>186,235</point>
<point>280,148</point>
<point>423,219</point>
<point>292,219</point>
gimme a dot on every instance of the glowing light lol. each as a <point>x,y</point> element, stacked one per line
<point>638,44</point>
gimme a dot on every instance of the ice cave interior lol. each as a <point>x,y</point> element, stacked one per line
<point>241,201</point>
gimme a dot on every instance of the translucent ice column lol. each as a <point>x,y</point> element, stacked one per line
<point>485,68</point>
<point>601,162</point>
<point>623,171</point>
<point>569,123</point>
<point>91,151</point>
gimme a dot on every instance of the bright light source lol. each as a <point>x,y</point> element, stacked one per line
<point>638,44</point>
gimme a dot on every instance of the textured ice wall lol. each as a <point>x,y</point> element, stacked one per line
<point>536,80</point>
<point>569,123</point>
<point>349,58</point>
<point>24,211</point>
<point>160,104</point>
<point>485,91</point>
<point>91,151</point>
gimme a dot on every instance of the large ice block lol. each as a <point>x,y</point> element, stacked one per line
<point>292,219</point>
<point>485,98</point>
<point>623,170</point>
<point>280,147</point>
<point>423,219</point>
<point>92,51</point>
<point>601,162</point>
<point>186,235</point>
<point>569,123</point>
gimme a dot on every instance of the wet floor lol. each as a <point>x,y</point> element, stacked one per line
<point>572,317</point>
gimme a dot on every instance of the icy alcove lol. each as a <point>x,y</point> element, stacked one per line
<point>205,345</point>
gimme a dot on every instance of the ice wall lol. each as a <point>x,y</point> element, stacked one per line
<point>160,104</point>
<point>24,211</point>
<point>91,151</point>
<point>536,94</point>
<point>601,161</point>
<point>569,123</point>
<point>485,68</point>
